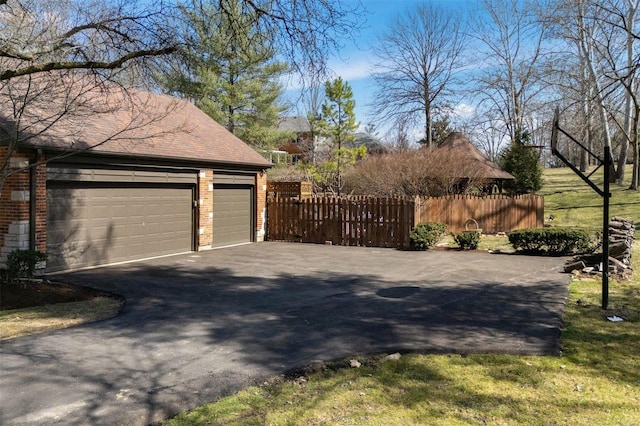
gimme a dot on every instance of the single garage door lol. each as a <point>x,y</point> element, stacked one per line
<point>232,215</point>
<point>94,223</point>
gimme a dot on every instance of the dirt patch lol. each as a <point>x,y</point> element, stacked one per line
<point>30,294</point>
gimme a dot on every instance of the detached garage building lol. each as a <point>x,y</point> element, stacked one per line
<point>142,175</point>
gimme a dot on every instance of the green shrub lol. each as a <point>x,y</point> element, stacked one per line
<point>22,263</point>
<point>553,241</point>
<point>426,234</point>
<point>468,240</point>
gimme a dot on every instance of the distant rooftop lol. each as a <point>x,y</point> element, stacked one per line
<point>296,123</point>
<point>373,144</point>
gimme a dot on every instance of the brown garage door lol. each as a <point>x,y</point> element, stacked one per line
<point>232,215</point>
<point>91,224</point>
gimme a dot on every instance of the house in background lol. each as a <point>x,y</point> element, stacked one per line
<point>148,177</point>
<point>300,147</point>
<point>374,145</point>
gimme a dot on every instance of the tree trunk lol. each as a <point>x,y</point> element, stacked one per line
<point>584,155</point>
<point>427,113</point>
<point>635,175</point>
<point>628,102</point>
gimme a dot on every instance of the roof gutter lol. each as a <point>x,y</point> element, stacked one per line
<point>186,163</point>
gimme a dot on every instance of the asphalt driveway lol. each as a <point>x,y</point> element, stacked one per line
<point>200,326</point>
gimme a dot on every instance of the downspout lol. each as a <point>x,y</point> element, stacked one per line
<point>32,202</point>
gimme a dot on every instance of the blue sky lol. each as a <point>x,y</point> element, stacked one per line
<point>354,62</point>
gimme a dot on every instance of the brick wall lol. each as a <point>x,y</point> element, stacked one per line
<point>14,204</point>
<point>41,205</point>
<point>205,208</point>
<point>261,205</point>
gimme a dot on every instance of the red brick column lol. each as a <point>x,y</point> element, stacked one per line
<point>15,204</point>
<point>261,205</point>
<point>205,209</point>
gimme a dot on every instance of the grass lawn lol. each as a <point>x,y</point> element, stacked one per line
<point>596,381</point>
<point>572,203</point>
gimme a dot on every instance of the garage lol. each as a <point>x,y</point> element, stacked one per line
<point>153,176</point>
<point>107,216</point>
<point>233,210</point>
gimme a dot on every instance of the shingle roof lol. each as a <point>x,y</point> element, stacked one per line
<point>373,144</point>
<point>146,125</point>
<point>457,144</point>
<point>296,124</point>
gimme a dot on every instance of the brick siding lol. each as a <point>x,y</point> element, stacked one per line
<point>205,208</point>
<point>14,204</point>
<point>261,205</point>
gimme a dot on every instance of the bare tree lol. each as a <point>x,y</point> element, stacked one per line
<point>314,98</point>
<point>39,37</point>
<point>602,35</point>
<point>487,133</point>
<point>118,41</point>
<point>398,136</point>
<point>304,32</point>
<point>511,39</point>
<point>619,51</point>
<point>568,73</point>
<point>55,56</point>
<point>418,55</point>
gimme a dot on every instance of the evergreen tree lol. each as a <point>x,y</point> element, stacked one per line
<point>440,129</point>
<point>338,119</point>
<point>229,70</point>
<point>523,162</point>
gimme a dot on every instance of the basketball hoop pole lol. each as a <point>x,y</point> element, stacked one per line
<point>605,193</point>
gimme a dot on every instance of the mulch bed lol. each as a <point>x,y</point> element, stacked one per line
<point>29,294</point>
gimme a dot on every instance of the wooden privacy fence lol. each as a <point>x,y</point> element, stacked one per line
<point>493,213</point>
<point>300,190</point>
<point>387,222</point>
<point>354,221</point>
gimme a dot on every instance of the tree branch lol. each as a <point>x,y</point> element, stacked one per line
<point>53,66</point>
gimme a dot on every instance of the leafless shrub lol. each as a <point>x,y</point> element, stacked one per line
<point>289,174</point>
<point>423,172</point>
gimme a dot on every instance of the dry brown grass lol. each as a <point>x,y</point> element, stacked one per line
<point>22,322</point>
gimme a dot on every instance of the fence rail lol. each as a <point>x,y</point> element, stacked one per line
<point>387,222</point>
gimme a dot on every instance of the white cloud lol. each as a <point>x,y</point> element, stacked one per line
<point>351,70</point>
<point>463,110</point>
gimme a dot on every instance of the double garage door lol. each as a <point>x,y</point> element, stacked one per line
<point>97,217</point>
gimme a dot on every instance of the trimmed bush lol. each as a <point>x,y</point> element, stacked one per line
<point>553,241</point>
<point>426,234</point>
<point>22,263</point>
<point>468,240</point>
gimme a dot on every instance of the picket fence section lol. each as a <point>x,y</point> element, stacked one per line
<point>387,222</point>
<point>353,221</point>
